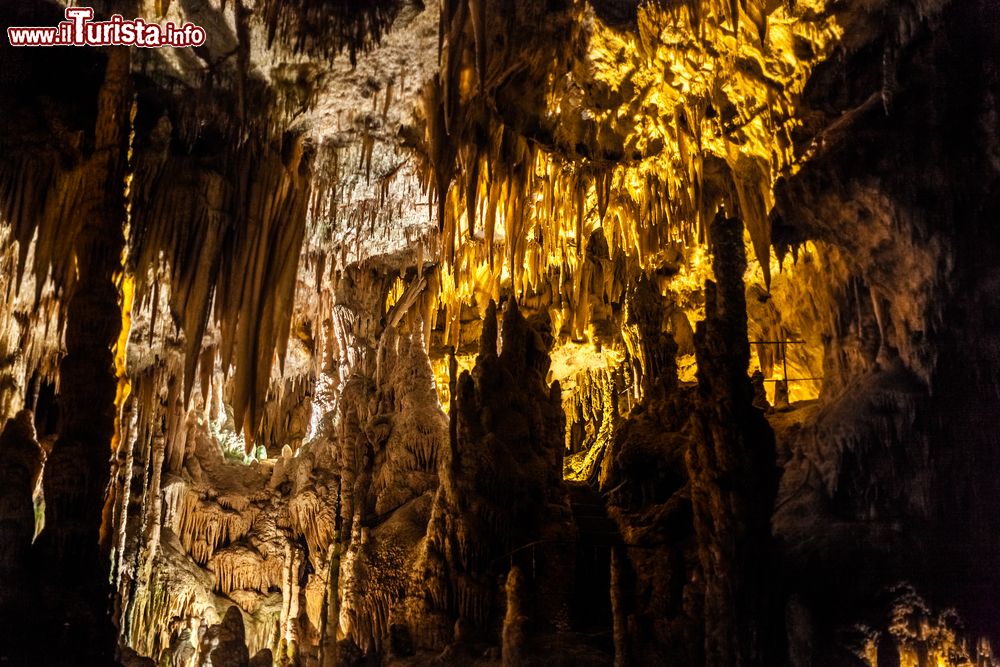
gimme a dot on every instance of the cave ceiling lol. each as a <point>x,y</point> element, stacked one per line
<point>518,130</point>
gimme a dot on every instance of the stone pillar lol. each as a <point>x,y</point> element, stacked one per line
<point>20,465</point>
<point>73,566</point>
<point>733,475</point>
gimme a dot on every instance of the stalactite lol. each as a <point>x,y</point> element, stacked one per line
<point>241,567</point>
<point>592,414</point>
<point>123,517</point>
<point>203,525</point>
<point>254,220</point>
<point>286,412</point>
<point>152,519</point>
<point>644,201</point>
<point>653,351</point>
<point>313,519</point>
<point>330,27</point>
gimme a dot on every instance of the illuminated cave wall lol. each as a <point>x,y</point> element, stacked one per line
<point>503,332</point>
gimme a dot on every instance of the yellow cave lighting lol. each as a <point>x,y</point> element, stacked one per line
<point>641,124</point>
<point>648,131</point>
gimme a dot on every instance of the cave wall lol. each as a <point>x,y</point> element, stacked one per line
<point>898,186</point>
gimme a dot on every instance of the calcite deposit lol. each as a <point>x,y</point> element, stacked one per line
<point>502,332</point>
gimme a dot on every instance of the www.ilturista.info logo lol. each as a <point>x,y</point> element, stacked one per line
<point>79,30</point>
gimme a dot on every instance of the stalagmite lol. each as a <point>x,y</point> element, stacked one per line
<point>75,593</point>
<point>514,622</point>
<point>21,461</point>
<point>471,548</point>
<point>732,471</point>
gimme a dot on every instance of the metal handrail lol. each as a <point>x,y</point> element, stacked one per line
<point>792,379</point>
<point>784,360</point>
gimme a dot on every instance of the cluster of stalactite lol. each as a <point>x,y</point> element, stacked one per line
<point>218,187</point>
<point>593,404</point>
<point>231,276</point>
<point>259,228</point>
<point>563,214</point>
<point>581,308</point>
<point>361,210</point>
<point>522,177</point>
<point>178,167</point>
<point>367,199</point>
<point>329,27</point>
<point>198,530</point>
<point>206,533</point>
<point>286,414</point>
<point>222,643</point>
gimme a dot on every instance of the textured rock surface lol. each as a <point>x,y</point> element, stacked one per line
<point>732,473</point>
<point>261,406</point>
<point>501,478</point>
<point>22,460</point>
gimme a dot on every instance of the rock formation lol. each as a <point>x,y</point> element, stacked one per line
<point>499,332</point>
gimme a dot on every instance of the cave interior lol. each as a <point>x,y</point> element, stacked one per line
<point>503,332</point>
